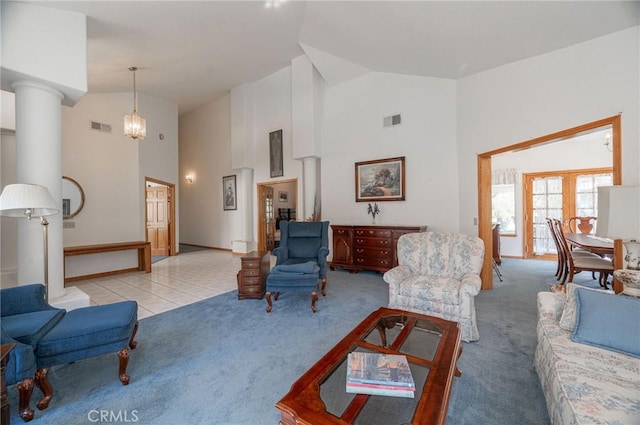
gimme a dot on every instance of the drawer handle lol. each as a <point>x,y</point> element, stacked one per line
<point>359,251</point>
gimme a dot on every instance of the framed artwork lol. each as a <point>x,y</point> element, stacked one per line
<point>283,196</point>
<point>380,180</point>
<point>275,154</point>
<point>230,196</point>
<point>66,207</point>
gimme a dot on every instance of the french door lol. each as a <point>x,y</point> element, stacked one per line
<point>561,195</point>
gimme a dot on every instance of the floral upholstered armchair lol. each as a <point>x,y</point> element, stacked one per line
<point>438,275</point>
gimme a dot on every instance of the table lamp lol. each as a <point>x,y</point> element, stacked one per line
<point>27,200</point>
<point>619,218</point>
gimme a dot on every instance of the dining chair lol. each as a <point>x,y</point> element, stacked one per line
<point>576,263</point>
<point>581,224</point>
<point>562,268</point>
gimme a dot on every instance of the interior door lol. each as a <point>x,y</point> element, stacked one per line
<point>158,219</point>
<point>269,218</point>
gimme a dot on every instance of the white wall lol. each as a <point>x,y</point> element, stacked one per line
<point>272,111</point>
<point>354,132</point>
<point>545,94</point>
<point>111,169</point>
<point>205,152</point>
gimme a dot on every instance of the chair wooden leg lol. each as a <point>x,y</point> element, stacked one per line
<point>123,356</point>
<point>25,389</point>
<point>42,382</point>
<point>324,285</point>
<point>269,305</point>
<point>314,298</point>
<point>133,344</point>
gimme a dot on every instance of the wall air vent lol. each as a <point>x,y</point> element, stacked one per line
<point>392,120</point>
<point>105,128</point>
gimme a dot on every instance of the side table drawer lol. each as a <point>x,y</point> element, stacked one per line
<point>251,264</point>
<point>250,273</point>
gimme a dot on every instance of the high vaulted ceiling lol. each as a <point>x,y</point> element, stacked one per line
<point>191,52</point>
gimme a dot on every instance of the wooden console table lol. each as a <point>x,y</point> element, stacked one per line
<point>368,247</point>
<point>252,277</point>
<point>144,256</point>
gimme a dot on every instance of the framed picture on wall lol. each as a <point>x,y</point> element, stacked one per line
<point>275,154</point>
<point>229,194</point>
<point>283,196</point>
<point>380,180</point>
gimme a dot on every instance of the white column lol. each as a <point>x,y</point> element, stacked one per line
<point>246,243</point>
<point>39,161</point>
<point>310,170</point>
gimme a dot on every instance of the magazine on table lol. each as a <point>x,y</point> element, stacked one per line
<point>379,374</point>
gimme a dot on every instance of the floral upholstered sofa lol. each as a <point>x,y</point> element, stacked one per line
<point>438,275</point>
<point>584,382</point>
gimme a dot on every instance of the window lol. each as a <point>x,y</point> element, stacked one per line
<point>503,200</point>
<point>561,195</point>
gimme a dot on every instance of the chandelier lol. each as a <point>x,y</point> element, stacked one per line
<point>134,125</point>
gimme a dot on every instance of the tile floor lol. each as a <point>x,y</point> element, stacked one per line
<point>173,282</point>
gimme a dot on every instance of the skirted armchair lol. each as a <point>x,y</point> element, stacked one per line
<point>301,242</point>
<point>438,275</point>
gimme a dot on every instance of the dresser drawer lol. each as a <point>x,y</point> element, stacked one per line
<point>373,233</point>
<point>372,242</point>
<point>372,252</point>
<point>382,263</point>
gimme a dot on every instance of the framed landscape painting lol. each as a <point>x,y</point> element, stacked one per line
<point>230,196</point>
<point>380,180</point>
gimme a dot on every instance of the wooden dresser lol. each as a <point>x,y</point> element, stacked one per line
<point>252,277</point>
<point>367,247</point>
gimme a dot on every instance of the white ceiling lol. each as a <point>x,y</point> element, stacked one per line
<point>191,52</point>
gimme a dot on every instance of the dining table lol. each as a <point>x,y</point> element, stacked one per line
<point>592,243</point>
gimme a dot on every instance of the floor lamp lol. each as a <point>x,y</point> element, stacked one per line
<point>27,200</point>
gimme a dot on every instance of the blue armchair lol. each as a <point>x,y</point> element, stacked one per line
<point>301,242</point>
<point>25,318</point>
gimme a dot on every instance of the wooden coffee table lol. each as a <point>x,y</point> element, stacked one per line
<point>432,347</point>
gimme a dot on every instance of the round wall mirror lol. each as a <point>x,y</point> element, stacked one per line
<point>72,197</point>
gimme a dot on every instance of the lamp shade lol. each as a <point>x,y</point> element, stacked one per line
<point>26,200</point>
<point>619,212</point>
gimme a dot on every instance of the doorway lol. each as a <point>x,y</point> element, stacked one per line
<point>484,182</point>
<point>160,217</point>
<point>276,202</point>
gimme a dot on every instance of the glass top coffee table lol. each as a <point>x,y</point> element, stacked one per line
<point>432,347</point>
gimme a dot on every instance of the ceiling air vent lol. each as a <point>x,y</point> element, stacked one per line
<point>105,128</point>
<point>392,120</point>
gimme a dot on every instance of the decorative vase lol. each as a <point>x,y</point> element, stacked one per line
<point>374,219</point>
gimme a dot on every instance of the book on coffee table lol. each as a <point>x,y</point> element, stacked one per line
<point>379,374</point>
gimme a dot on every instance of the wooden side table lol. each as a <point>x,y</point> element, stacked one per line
<point>4,399</point>
<point>252,277</point>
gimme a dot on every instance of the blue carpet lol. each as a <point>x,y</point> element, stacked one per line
<point>224,361</point>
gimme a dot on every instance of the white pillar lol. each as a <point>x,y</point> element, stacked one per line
<point>246,243</point>
<point>310,170</point>
<point>39,161</point>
